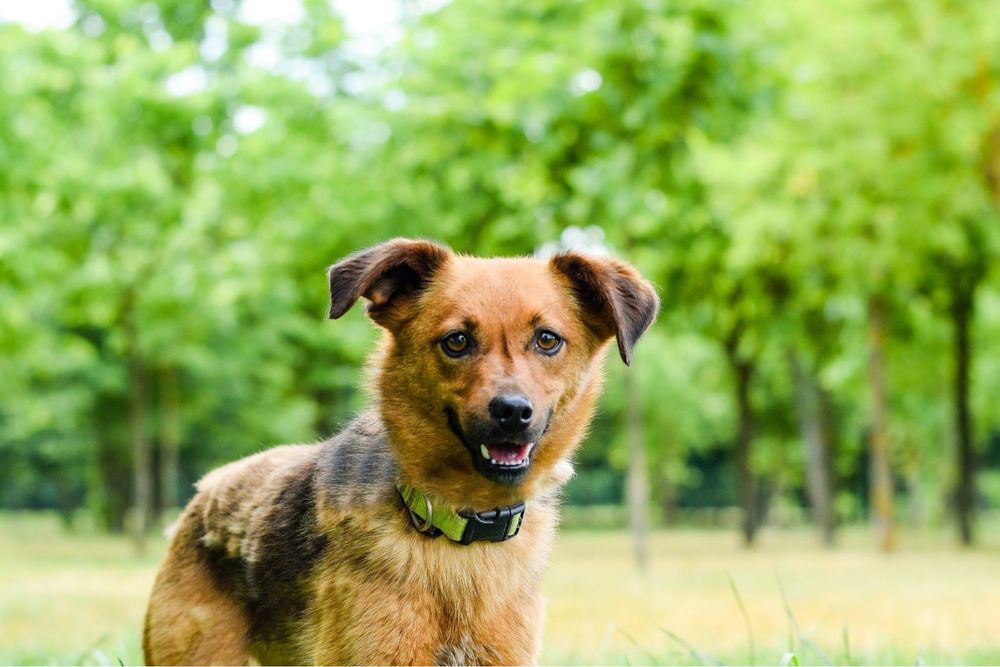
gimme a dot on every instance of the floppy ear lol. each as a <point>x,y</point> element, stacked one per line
<point>615,299</point>
<point>388,275</point>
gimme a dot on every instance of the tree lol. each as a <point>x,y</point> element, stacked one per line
<point>871,167</point>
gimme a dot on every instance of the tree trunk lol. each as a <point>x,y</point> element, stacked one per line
<point>170,438</point>
<point>668,499</point>
<point>878,442</point>
<point>961,312</point>
<point>638,473</point>
<point>142,480</point>
<point>110,492</point>
<point>815,435</point>
<point>746,480</point>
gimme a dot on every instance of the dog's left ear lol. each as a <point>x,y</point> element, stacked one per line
<point>388,275</point>
<point>615,299</point>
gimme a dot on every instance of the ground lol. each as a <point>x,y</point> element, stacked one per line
<point>70,598</point>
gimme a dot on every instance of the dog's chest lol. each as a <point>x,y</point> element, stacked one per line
<point>436,602</point>
<point>468,580</point>
<point>487,597</point>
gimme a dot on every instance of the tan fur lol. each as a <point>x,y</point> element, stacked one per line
<point>305,554</point>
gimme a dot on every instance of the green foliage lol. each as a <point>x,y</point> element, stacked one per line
<point>170,195</point>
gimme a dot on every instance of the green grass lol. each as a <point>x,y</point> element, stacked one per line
<point>78,598</point>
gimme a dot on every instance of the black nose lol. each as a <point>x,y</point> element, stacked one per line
<point>512,412</point>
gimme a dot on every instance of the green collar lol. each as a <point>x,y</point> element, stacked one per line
<point>495,525</point>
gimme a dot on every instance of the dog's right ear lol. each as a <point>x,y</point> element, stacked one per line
<point>388,275</point>
<point>616,300</point>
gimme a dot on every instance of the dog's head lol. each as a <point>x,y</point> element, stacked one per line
<point>490,367</point>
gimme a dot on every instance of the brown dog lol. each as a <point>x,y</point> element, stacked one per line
<point>418,535</point>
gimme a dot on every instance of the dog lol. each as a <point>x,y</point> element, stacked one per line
<point>420,532</point>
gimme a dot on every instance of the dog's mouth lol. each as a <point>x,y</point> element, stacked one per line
<point>507,455</point>
<point>503,461</point>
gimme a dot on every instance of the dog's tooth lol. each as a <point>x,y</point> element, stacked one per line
<point>493,461</point>
<point>484,451</point>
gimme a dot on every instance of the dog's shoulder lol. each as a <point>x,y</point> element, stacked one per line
<point>355,469</point>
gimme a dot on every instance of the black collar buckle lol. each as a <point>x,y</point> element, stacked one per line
<point>495,525</point>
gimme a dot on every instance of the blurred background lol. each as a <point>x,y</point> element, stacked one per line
<point>802,464</point>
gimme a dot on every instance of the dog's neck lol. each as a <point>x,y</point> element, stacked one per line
<point>464,527</point>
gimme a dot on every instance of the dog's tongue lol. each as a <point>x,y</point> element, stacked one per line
<point>508,452</point>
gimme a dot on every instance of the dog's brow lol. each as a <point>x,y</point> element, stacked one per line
<point>459,323</point>
<point>469,324</point>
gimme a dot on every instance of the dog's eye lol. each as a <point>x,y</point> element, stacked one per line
<point>456,344</point>
<point>548,342</point>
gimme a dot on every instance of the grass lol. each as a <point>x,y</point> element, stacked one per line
<point>79,598</point>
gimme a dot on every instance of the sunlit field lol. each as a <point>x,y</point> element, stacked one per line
<point>930,602</point>
<point>79,598</point>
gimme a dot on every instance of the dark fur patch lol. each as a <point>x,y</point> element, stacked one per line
<point>288,547</point>
<point>227,572</point>
<point>269,581</point>
<point>356,467</point>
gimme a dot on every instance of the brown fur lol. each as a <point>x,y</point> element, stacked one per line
<point>305,553</point>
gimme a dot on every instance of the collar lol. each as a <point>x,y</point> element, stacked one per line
<point>496,525</point>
